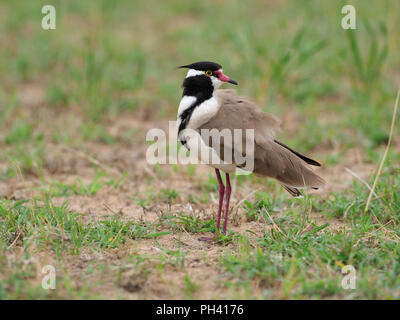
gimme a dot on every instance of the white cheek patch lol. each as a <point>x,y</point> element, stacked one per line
<point>216,82</point>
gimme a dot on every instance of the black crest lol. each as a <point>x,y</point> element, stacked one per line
<point>203,66</point>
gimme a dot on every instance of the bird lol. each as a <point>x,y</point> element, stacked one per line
<point>204,106</point>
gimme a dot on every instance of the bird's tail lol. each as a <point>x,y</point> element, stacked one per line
<point>293,191</point>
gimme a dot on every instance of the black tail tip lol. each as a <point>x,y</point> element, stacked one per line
<point>294,192</point>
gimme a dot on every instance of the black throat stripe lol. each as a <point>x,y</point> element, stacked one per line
<point>199,86</point>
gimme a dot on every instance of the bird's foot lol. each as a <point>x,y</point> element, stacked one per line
<point>214,238</point>
<point>207,239</point>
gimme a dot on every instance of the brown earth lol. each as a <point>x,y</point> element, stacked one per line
<point>66,164</point>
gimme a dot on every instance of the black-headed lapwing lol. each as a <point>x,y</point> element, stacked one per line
<point>205,106</point>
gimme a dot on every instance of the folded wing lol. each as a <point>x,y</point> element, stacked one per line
<point>271,157</point>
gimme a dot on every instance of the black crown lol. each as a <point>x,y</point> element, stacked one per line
<point>203,66</point>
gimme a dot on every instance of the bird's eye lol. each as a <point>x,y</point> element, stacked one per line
<point>209,73</point>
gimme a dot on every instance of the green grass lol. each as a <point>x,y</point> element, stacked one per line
<point>60,189</point>
<point>299,257</point>
<point>190,224</point>
<point>48,225</point>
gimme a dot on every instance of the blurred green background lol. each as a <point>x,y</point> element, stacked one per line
<point>108,57</point>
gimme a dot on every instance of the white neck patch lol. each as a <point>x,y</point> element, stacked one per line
<point>204,112</point>
<point>185,103</point>
<point>201,114</point>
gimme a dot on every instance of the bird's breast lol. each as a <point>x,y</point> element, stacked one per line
<point>192,115</point>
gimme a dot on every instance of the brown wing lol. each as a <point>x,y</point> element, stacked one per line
<point>238,112</point>
<point>302,156</point>
<point>271,158</point>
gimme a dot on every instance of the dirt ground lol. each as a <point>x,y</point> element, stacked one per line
<point>66,164</point>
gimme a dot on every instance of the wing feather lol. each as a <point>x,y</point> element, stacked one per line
<point>271,157</point>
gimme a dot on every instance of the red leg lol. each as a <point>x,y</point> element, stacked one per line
<point>228,197</point>
<point>221,190</point>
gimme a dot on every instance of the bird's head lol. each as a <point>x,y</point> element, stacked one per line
<point>208,71</point>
